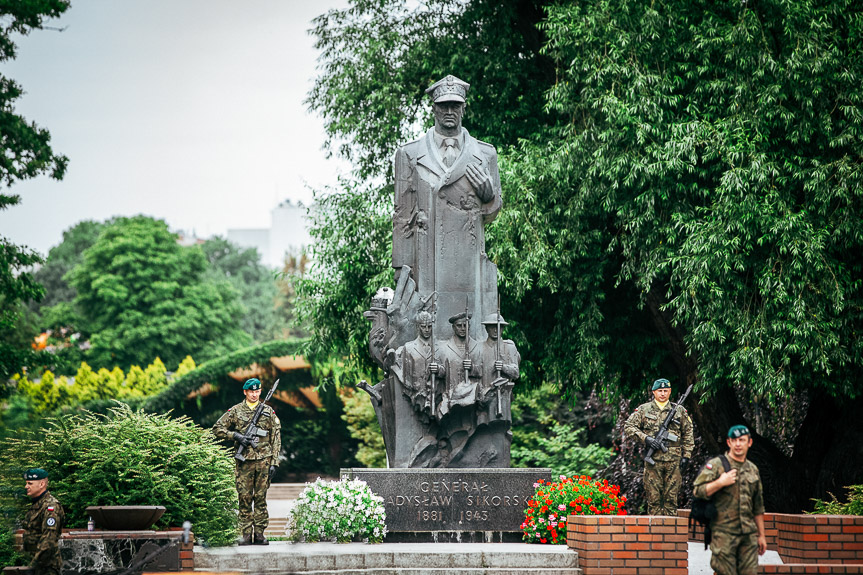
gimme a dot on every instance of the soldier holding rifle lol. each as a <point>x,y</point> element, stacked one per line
<point>500,360</point>
<point>256,432</point>
<point>666,456</point>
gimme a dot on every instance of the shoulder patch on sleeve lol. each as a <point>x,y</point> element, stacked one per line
<point>50,522</point>
<point>709,466</point>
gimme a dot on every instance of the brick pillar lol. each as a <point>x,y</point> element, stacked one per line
<point>629,544</point>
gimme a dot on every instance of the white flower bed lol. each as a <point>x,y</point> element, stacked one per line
<point>340,510</point>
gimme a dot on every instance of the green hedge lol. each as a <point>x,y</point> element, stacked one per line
<point>216,370</point>
<point>129,458</point>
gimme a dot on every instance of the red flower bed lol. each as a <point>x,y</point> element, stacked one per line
<point>545,516</point>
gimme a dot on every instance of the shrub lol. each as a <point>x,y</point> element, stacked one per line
<point>545,517</point>
<point>854,506</point>
<point>132,458</point>
<point>10,556</point>
<point>341,510</point>
<point>363,426</point>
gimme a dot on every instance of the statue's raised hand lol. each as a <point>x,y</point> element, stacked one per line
<point>481,180</point>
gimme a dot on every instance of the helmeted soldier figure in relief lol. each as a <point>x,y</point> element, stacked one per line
<point>414,365</point>
<point>42,524</point>
<point>662,480</point>
<point>254,474</point>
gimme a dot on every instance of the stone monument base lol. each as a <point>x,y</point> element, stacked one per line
<point>452,505</point>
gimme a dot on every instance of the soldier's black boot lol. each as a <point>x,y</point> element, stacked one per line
<point>260,539</point>
<point>246,540</point>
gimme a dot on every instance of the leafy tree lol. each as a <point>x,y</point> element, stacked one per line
<point>255,283</point>
<point>548,432</point>
<point>688,203</point>
<point>62,258</point>
<point>26,153</point>
<point>700,215</point>
<point>142,296</point>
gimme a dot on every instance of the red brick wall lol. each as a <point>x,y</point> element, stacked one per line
<point>819,538</point>
<point>796,569</point>
<point>629,544</point>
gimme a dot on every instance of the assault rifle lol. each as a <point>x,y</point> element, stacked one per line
<point>253,433</point>
<point>663,435</point>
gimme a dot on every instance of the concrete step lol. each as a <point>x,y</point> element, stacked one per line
<point>276,528</point>
<point>285,490</point>
<point>391,559</point>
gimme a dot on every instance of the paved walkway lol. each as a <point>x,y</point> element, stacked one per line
<point>699,559</point>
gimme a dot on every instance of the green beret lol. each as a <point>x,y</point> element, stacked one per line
<point>253,383</point>
<point>34,474</point>
<point>661,384</point>
<point>737,431</point>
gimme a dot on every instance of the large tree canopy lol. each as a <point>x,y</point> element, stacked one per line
<point>700,212</point>
<point>25,154</point>
<point>143,296</point>
<point>687,202</point>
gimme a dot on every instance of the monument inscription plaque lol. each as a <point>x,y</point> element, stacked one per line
<point>454,500</point>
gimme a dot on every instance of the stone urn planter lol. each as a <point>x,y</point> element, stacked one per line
<point>125,517</point>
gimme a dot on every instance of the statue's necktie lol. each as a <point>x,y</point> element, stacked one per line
<point>450,152</point>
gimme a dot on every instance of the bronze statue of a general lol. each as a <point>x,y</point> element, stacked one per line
<point>445,399</point>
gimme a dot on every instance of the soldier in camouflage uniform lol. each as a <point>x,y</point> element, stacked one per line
<point>662,480</point>
<point>253,474</point>
<point>738,529</point>
<point>42,524</point>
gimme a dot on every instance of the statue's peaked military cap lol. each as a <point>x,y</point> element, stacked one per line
<point>34,474</point>
<point>252,383</point>
<point>449,89</point>
<point>661,383</point>
<point>737,431</point>
<point>458,316</point>
<point>493,318</point>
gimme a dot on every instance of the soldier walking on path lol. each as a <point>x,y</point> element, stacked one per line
<point>256,470</point>
<point>42,524</point>
<point>662,479</point>
<point>738,529</point>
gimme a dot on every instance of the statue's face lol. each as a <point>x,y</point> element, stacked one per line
<point>491,330</point>
<point>460,328</point>
<point>425,329</point>
<point>448,114</point>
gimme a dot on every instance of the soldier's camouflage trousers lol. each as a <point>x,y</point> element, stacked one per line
<point>46,559</point>
<point>252,484</point>
<point>734,554</point>
<point>661,487</point>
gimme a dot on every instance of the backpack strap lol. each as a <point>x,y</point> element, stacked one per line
<point>725,465</point>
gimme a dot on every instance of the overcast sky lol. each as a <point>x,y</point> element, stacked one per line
<point>190,111</point>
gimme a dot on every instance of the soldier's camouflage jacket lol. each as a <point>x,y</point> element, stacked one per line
<point>647,419</point>
<point>238,418</point>
<point>42,527</point>
<point>738,504</point>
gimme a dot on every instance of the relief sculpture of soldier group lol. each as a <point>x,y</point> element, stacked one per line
<point>449,374</point>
